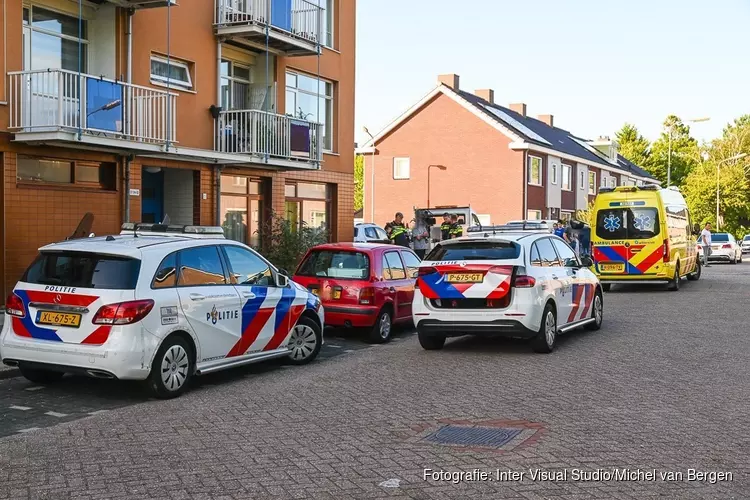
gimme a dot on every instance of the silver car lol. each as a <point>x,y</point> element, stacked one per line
<point>746,244</point>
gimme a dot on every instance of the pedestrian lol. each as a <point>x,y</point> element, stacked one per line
<point>397,232</point>
<point>568,231</point>
<point>445,227</point>
<point>421,238</point>
<point>559,229</point>
<point>455,230</point>
<point>706,243</point>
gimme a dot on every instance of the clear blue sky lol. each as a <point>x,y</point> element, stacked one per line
<point>593,64</point>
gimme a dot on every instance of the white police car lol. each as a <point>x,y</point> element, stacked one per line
<point>156,303</point>
<point>520,282</point>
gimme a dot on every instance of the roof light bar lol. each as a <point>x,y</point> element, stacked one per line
<point>171,228</point>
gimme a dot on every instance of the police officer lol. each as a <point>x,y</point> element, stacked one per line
<point>455,228</point>
<point>445,227</point>
<point>397,232</point>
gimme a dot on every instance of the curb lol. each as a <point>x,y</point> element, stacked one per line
<point>9,372</point>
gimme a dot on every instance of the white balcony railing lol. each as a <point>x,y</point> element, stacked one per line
<point>260,133</point>
<point>301,18</point>
<point>55,100</point>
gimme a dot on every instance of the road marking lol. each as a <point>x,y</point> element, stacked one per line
<point>29,429</point>
<point>22,408</point>
<point>334,346</point>
<point>391,483</point>
<point>56,414</point>
<point>35,388</point>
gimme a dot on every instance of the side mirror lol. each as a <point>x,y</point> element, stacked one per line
<point>586,261</point>
<point>282,281</point>
<point>284,272</point>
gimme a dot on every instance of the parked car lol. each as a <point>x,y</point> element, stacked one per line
<point>520,284</point>
<point>370,233</point>
<point>746,244</point>
<point>724,248</point>
<point>158,304</point>
<point>362,285</point>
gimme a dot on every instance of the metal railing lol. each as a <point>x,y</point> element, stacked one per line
<point>53,100</point>
<point>301,18</point>
<point>260,133</point>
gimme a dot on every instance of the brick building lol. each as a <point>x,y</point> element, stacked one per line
<point>210,112</point>
<point>459,148</point>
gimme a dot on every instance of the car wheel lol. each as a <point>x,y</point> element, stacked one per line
<point>733,261</point>
<point>597,313</point>
<point>606,287</point>
<point>696,275</point>
<point>171,369</point>
<point>305,341</point>
<point>431,342</point>
<point>546,337</point>
<point>380,333</point>
<point>40,376</point>
<point>674,284</point>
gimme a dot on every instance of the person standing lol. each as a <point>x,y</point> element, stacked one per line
<point>455,231</point>
<point>559,229</point>
<point>397,232</point>
<point>445,227</point>
<point>421,238</point>
<point>706,243</point>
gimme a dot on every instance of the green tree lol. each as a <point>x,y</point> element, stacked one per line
<point>685,153</point>
<point>359,181</point>
<point>633,145</point>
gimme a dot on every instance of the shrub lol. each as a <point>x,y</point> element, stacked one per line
<point>285,243</point>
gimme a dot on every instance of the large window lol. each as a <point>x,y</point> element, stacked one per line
<point>535,170</point>
<point>566,179</point>
<point>311,99</point>
<point>326,29</point>
<point>31,169</point>
<point>309,205</point>
<point>235,86</point>
<point>627,223</point>
<point>241,209</point>
<point>173,72</point>
<point>54,41</point>
<point>592,182</point>
<point>200,266</point>
<point>534,214</point>
<point>246,268</point>
<point>401,168</point>
<point>85,270</point>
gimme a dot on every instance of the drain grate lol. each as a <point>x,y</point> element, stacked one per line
<point>473,436</point>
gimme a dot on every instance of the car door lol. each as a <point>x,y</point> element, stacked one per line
<point>580,285</point>
<point>411,261</point>
<point>268,311</point>
<point>557,279</point>
<point>398,285</point>
<point>210,303</point>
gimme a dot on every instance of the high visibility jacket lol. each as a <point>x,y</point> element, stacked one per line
<point>398,234</point>
<point>455,231</point>
<point>445,230</point>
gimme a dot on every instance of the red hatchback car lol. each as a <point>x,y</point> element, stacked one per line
<point>362,285</point>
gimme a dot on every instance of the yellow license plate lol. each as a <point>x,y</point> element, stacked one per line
<point>464,278</point>
<point>58,319</point>
<point>612,268</point>
<point>336,294</point>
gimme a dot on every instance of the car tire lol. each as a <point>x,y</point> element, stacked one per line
<point>305,342</point>
<point>696,275</point>
<point>39,376</point>
<point>606,287</point>
<point>380,332</point>
<point>546,338</point>
<point>733,261</point>
<point>171,369</point>
<point>431,342</point>
<point>597,312</point>
<point>674,284</point>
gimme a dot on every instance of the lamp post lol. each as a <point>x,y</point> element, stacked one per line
<point>669,154</point>
<point>372,176</point>
<point>439,167</point>
<point>731,158</point>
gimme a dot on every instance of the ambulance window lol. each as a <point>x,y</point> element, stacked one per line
<point>627,223</point>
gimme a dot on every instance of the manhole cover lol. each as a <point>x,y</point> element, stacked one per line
<point>473,436</point>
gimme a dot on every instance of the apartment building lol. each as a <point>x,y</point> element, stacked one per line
<point>205,111</point>
<point>455,148</point>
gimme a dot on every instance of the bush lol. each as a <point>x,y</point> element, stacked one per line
<point>285,243</point>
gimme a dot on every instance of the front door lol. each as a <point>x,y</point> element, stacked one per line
<point>556,276</point>
<point>412,262</point>
<point>152,196</point>
<point>398,286</point>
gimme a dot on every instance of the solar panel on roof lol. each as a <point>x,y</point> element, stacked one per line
<point>517,125</point>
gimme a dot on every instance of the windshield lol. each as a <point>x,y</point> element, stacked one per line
<point>336,264</point>
<point>476,250</point>
<point>84,270</point>
<point>746,238</point>
<point>627,223</point>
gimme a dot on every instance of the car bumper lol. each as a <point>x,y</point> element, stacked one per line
<point>723,255</point>
<point>745,249</point>
<point>350,316</point>
<point>496,328</point>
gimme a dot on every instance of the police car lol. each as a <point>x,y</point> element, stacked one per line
<point>520,282</point>
<point>156,303</point>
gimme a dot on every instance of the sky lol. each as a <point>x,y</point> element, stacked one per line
<point>593,64</point>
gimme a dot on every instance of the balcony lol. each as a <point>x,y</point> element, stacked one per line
<point>138,4</point>
<point>284,27</point>
<point>267,137</point>
<point>63,106</point>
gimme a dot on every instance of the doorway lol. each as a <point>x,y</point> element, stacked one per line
<point>152,206</point>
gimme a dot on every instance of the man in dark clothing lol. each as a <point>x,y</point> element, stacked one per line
<point>455,228</point>
<point>445,227</point>
<point>397,232</point>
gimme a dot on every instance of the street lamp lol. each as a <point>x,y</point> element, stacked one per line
<point>439,167</point>
<point>372,176</point>
<point>731,158</point>
<point>669,156</point>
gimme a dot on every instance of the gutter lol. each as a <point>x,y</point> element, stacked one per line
<point>525,173</point>
<point>219,168</point>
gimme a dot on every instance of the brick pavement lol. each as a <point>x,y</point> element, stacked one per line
<point>662,386</point>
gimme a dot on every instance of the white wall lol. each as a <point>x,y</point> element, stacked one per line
<point>178,195</point>
<point>101,47</point>
<point>605,178</point>
<point>553,190</point>
<point>582,195</point>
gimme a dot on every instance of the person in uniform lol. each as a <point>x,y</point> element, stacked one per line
<point>397,231</point>
<point>445,227</point>
<point>455,230</point>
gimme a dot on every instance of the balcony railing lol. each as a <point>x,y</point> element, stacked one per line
<point>60,100</point>
<point>260,133</point>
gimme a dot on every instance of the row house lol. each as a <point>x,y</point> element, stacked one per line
<point>456,148</point>
<point>213,112</point>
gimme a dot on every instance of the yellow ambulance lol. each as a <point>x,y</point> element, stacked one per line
<point>643,234</point>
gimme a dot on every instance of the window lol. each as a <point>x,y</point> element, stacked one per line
<point>553,174</point>
<point>326,29</point>
<point>566,181</point>
<point>200,266</point>
<point>246,268</point>
<point>311,99</point>
<point>627,223</point>
<point>567,255</point>
<point>55,41</point>
<point>547,253</point>
<point>309,204</point>
<point>401,168</point>
<point>336,264</point>
<point>241,209</point>
<point>582,180</point>
<point>61,172</point>
<point>412,263</point>
<point>395,266</point>
<point>603,181</point>
<point>534,257</point>
<point>166,275</point>
<point>592,182</point>
<point>534,170</point>
<point>613,182</point>
<point>171,72</point>
<point>475,250</point>
<point>375,233</point>
<point>235,86</point>
<point>84,270</point>
<point>534,214</point>
<point>566,216</point>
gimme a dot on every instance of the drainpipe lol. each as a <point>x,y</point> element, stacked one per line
<point>129,68</point>
<point>219,168</point>
<point>525,184</point>
<point>218,136</point>
<point>126,188</point>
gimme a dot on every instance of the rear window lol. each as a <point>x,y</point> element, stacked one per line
<point>719,237</point>
<point>475,250</point>
<point>627,223</point>
<point>336,264</point>
<point>746,238</point>
<point>83,270</point>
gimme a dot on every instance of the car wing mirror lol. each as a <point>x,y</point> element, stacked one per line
<point>586,261</point>
<point>282,281</point>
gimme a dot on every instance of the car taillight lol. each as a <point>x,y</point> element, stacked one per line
<point>14,306</point>
<point>367,296</point>
<point>424,271</point>
<point>123,313</point>
<point>726,245</point>
<point>665,257</point>
<point>523,281</point>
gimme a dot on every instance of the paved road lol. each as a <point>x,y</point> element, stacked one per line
<point>663,386</point>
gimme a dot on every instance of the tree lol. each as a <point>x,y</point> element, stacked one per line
<point>359,181</point>
<point>633,146</point>
<point>685,153</point>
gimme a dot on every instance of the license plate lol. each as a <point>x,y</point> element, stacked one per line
<point>464,278</point>
<point>58,319</point>
<point>612,268</point>
<point>336,294</point>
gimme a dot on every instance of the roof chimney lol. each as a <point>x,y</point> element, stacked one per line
<point>548,119</point>
<point>450,80</point>
<point>486,94</point>
<point>519,108</point>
